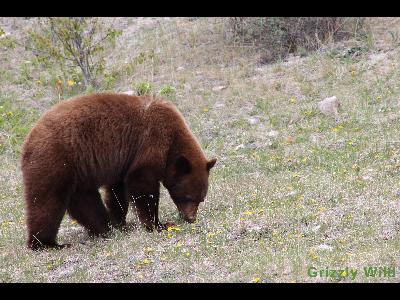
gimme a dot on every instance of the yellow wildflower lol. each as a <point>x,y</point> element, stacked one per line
<point>148,250</point>
<point>256,280</point>
<point>174,228</point>
<point>146,261</point>
<point>70,83</point>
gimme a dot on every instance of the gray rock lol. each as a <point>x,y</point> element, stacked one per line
<point>329,106</point>
<point>315,228</point>
<point>324,247</point>
<point>253,121</point>
<point>129,92</point>
<point>219,105</point>
<point>218,88</point>
<point>272,133</point>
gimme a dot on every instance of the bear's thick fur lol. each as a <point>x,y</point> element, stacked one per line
<point>125,144</point>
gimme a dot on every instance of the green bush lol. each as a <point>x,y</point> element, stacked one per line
<point>73,43</point>
<point>143,88</point>
<point>276,37</point>
<point>167,91</point>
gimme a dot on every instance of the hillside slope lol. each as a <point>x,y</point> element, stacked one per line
<point>292,188</point>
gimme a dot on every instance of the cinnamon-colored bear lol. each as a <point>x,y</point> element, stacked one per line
<point>125,144</point>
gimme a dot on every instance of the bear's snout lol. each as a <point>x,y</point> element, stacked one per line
<point>189,219</point>
<point>188,211</point>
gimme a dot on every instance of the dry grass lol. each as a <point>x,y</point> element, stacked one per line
<point>292,188</point>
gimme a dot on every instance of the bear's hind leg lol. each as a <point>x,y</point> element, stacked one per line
<point>87,208</point>
<point>43,221</point>
<point>117,204</point>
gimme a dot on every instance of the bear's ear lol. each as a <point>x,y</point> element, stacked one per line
<point>211,163</point>
<point>183,166</point>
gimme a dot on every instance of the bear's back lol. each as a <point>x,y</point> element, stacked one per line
<point>96,134</point>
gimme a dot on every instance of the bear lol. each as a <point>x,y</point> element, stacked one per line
<point>128,146</point>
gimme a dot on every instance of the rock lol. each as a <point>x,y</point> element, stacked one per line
<point>272,133</point>
<point>315,138</point>
<point>219,105</point>
<point>253,121</point>
<point>324,247</point>
<point>329,106</point>
<point>129,92</point>
<point>241,146</point>
<point>315,228</point>
<point>219,88</point>
<point>366,178</point>
<point>180,68</point>
<point>255,228</point>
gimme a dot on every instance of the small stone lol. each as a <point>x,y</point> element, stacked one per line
<point>366,178</point>
<point>316,228</point>
<point>241,146</point>
<point>129,92</point>
<point>219,88</point>
<point>253,121</point>
<point>219,105</point>
<point>255,228</point>
<point>272,133</point>
<point>180,68</point>
<point>329,106</point>
<point>324,247</point>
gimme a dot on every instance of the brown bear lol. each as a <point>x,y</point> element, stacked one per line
<point>126,144</point>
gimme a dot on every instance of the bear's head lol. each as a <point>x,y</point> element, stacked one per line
<point>187,184</point>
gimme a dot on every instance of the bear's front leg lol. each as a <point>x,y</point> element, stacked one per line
<point>143,190</point>
<point>146,206</point>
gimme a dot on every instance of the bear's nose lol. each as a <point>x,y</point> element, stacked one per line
<point>190,219</point>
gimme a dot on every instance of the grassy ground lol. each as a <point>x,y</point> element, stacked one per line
<point>292,188</point>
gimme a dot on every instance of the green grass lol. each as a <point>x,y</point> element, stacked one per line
<point>317,192</point>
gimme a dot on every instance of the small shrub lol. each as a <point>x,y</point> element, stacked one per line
<point>279,36</point>
<point>143,88</point>
<point>110,80</point>
<point>72,43</point>
<point>167,91</point>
